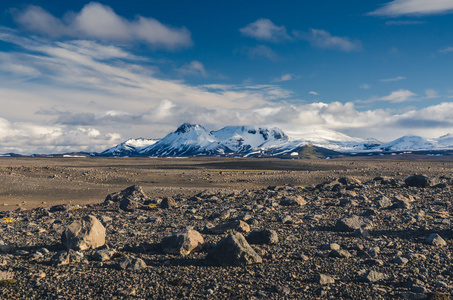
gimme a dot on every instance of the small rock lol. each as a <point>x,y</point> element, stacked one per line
<point>400,260</point>
<point>352,223</point>
<point>132,263</point>
<point>182,242</point>
<point>67,257</point>
<point>293,201</point>
<point>167,202</point>
<point>325,279</point>
<point>340,254</point>
<point>265,236</point>
<point>236,225</point>
<point>371,276</point>
<point>104,254</point>
<point>436,240</point>
<point>332,246</point>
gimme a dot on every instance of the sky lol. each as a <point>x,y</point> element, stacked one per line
<point>84,76</point>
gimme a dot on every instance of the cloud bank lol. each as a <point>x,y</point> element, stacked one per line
<point>413,7</point>
<point>100,22</point>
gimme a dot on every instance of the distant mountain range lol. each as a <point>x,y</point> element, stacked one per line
<point>258,141</point>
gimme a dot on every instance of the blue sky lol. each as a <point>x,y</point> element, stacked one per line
<point>80,75</point>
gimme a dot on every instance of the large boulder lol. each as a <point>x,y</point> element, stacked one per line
<point>182,242</point>
<point>419,181</point>
<point>233,250</point>
<point>87,233</point>
<point>352,223</point>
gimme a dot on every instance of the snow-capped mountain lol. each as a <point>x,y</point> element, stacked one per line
<point>129,147</point>
<point>187,140</point>
<point>244,139</point>
<point>333,140</point>
<point>417,143</point>
<point>190,140</point>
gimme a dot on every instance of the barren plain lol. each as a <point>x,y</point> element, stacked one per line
<point>353,228</point>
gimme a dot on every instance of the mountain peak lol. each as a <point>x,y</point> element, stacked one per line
<point>186,127</point>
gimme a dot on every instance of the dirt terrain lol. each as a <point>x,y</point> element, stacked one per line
<point>215,228</point>
<point>33,182</point>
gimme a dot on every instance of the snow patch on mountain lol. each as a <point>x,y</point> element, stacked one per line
<point>129,147</point>
<point>187,140</point>
<point>244,139</point>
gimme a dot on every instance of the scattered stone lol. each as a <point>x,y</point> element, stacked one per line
<point>60,207</point>
<point>182,242</point>
<point>371,276</point>
<point>286,219</point>
<point>265,236</point>
<point>340,254</point>
<point>293,201</point>
<point>134,192</point>
<point>67,257</point>
<point>236,225</point>
<point>87,233</point>
<point>167,203</point>
<point>233,250</point>
<point>400,260</point>
<point>436,240</point>
<point>131,263</point>
<point>352,223</point>
<point>325,279</point>
<point>104,254</point>
<point>441,284</point>
<point>128,204</point>
<point>332,246</point>
<point>382,202</point>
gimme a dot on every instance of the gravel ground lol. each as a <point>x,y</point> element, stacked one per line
<point>351,235</point>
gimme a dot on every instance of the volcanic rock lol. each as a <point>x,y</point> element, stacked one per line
<point>352,223</point>
<point>182,242</point>
<point>131,263</point>
<point>233,250</point>
<point>87,233</point>
<point>265,236</point>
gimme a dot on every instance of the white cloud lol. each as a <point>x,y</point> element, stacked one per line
<point>398,96</point>
<point>446,50</point>
<point>413,7</point>
<point>284,77</point>
<point>393,79</point>
<point>265,30</point>
<point>262,51</point>
<point>365,86</point>
<point>319,38</point>
<point>90,96</point>
<point>313,93</point>
<point>100,22</point>
<point>193,68</point>
<point>431,94</point>
<point>29,138</point>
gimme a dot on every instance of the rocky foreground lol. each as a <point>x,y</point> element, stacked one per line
<point>385,238</point>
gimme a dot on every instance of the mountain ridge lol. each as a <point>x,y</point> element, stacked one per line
<point>263,141</point>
